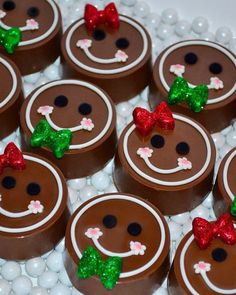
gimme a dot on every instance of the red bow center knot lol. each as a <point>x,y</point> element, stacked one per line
<point>12,157</point>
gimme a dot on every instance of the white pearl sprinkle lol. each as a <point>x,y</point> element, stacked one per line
<point>5,287</point>
<point>35,267</point>
<point>10,270</point>
<point>200,25</point>
<point>48,279</point>
<point>22,285</point>
<point>54,261</point>
<point>169,16</point>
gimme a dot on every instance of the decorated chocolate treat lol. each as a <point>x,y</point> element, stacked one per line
<point>224,190</point>
<point>72,123</point>
<point>197,78</point>
<point>30,33</point>
<point>109,50</point>
<point>204,262</point>
<point>167,159</point>
<point>117,244</point>
<point>11,96</point>
<point>33,205</point>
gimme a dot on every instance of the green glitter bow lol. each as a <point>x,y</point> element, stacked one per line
<point>92,264</point>
<point>57,141</point>
<point>10,39</point>
<point>196,97</point>
<point>233,207</point>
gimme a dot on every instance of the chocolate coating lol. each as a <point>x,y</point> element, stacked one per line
<point>207,54</point>
<point>175,192</point>
<point>90,150</point>
<point>120,83</point>
<point>35,234</point>
<point>127,209</point>
<point>34,54</point>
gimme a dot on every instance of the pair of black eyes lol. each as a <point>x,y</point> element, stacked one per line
<point>158,141</point>
<point>33,189</point>
<point>121,43</point>
<point>11,5</point>
<point>191,58</point>
<point>110,221</point>
<point>62,101</point>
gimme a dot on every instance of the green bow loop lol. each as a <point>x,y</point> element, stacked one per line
<point>196,97</point>
<point>10,39</point>
<point>91,264</point>
<point>58,141</point>
<point>233,207</point>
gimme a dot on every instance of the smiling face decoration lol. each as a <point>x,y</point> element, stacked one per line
<point>197,71</point>
<point>138,236</point>
<point>111,56</point>
<point>39,30</point>
<point>80,109</point>
<point>166,164</point>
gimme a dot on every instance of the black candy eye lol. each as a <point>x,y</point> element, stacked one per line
<point>157,141</point>
<point>219,254</point>
<point>122,43</point>
<point>8,182</point>
<point>215,68</point>
<point>61,101</point>
<point>134,229</point>
<point>99,35</point>
<point>182,148</point>
<point>9,5</point>
<point>190,58</point>
<point>33,11</point>
<point>85,109</point>
<point>33,189</point>
<point>109,221</point>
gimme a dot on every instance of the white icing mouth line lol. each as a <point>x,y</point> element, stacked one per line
<point>202,268</point>
<point>31,24</point>
<point>136,248</point>
<point>84,44</point>
<point>146,153</point>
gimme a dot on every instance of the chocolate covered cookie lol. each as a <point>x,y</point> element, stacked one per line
<point>110,50</point>
<point>198,79</point>
<point>117,244</point>
<point>30,33</point>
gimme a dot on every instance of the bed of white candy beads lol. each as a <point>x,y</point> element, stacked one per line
<point>46,275</point>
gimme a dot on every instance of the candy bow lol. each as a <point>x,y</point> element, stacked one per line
<point>92,264</point>
<point>10,39</point>
<point>12,157</point>
<point>222,228</point>
<point>108,16</point>
<point>145,121</point>
<point>196,97</point>
<point>57,141</point>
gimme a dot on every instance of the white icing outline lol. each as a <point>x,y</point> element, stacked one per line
<point>195,42</point>
<point>54,209</point>
<point>14,82</point>
<point>49,31</point>
<point>73,82</point>
<point>131,199</point>
<point>169,183</point>
<point>184,275</point>
<point>225,174</point>
<point>110,71</point>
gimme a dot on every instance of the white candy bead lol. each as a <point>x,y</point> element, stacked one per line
<point>120,122</point>
<point>175,230</point>
<point>38,291</point>
<point>223,35</point>
<point>181,218</point>
<point>52,72</point>
<point>28,88</point>
<point>32,78</point>
<point>226,130</point>
<point>77,183</point>
<point>200,211</point>
<point>35,267</point>
<point>22,285</point>
<point>10,270</point>
<point>111,189</point>
<point>169,16</point>
<point>48,279</point>
<point>164,31</point>
<point>109,167</point>
<point>2,261</point>
<point>208,36</point>
<point>153,20</point>
<point>60,247</point>
<point>63,277</point>
<point>187,227</point>
<point>218,139</point>
<point>73,195</point>
<point>5,287</point>
<point>124,109</point>
<point>161,291</point>
<point>200,25</point>
<point>54,261</point>
<point>225,149</point>
<point>208,201</point>
<point>231,138</point>
<point>182,28</point>
<point>232,44</point>
<point>76,205</point>
<point>100,180</point>
<point>141,9</point>
<point>126,10</point>
<point>88,192</point>
<point>60,289</point>
<point>43,80</point>
<point>129,2</point>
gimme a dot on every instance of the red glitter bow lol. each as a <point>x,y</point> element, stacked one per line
<point>12,157</point>
<point>223,228</point>
<point>108,16</point>
<point>145,121</point>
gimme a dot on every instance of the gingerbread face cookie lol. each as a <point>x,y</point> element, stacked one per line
<point>30,30</point>
<point>108,54</point>
<point>166,162</point>
<point>87,115</point>
<point>33,205</point>
<point>198,79</point>
<point>99,225</point>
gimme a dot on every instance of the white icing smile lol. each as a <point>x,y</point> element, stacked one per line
<point>136,248</point>
<point>146,153</point>
<point>84,44</point>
